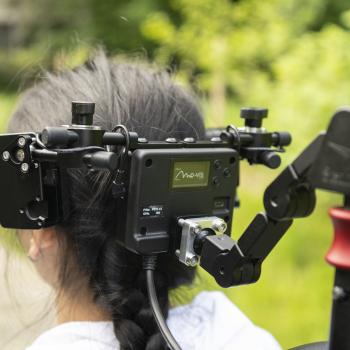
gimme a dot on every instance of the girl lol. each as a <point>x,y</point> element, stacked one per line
<point>101,296</point>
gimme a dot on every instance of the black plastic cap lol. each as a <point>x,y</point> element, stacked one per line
<point>253,116</point>
<point>83,112</point>
<point>270,159</point>
<point>282,138</point>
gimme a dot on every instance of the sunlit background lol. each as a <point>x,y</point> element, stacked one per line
<point>291,56</point>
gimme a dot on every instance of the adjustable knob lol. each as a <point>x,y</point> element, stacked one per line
<point>58,136</point>
<point>83,113</point>
<point>102,160</point>
<point>270,159</point>
<point>253,116</point>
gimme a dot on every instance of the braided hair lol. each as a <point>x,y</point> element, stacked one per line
<point>147,101</point>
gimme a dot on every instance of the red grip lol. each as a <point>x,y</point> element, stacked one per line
<point>339,253</point>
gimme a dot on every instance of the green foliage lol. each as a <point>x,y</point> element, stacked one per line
<point>257,53</point>
<point>116,24</point>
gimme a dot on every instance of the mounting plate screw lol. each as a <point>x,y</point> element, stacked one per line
<point>219,226</point>
<point>192,261</point>
<point>20,155</point>
<point>6,155</point>
<point>196,229</point>
<point>24,167</point>
<point>339,293</point>
<point>21,142</point>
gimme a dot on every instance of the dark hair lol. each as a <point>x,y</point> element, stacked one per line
<point>147,101</point>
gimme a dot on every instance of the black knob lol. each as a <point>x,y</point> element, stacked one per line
<point>58,136</point>
<point>83,113</point>
<point>253,116</point>
<point>281,138</point>
<point>270,159</point>
<point>102,160</point>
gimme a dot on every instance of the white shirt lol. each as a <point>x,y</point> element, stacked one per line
<point>210,322</point>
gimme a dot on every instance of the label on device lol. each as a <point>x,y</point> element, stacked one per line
<point>190,174</point>
<point>152,211</point>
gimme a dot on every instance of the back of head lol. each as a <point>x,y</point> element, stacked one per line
<point>146,101</point>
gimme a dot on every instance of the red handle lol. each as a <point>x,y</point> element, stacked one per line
<point>339,253</point>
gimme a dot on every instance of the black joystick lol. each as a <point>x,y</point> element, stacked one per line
<point>253,116</point>
<point>83,113</point>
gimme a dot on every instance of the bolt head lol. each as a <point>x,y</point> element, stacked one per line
<point>193,261</point>
<point>24,167</point>
<point>171,140</point>
<point>338,293</point>
<point>6,155</point>
<point>20,155</point>
<point>219,226</point>
<point>21,142</point>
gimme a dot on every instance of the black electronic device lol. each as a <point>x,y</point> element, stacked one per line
<point>156,183</point>
<point>169,184</point>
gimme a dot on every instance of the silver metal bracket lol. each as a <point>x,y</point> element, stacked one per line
<point>190,229</point>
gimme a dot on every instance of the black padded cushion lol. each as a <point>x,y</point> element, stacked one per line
<point>314,346</point>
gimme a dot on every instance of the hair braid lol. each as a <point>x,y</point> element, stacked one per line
<point>120,285</point>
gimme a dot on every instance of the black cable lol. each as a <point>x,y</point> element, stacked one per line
<point>149,265</point>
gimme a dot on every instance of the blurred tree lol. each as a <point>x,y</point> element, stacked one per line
<point>117,23</point>
<point>47,28</point>
<point>42,28</point>
<point>227,46</point>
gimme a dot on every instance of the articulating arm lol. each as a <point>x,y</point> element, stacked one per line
<point>289,196</point>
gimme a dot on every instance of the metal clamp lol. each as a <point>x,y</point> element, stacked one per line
<point>191,228</point>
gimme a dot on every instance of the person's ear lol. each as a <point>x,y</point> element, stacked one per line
<point>42,241</point>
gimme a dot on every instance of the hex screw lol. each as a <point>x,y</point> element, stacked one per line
<point>220,226</point>
<point>6,155</point>
<point>20,155</point>
<point>24,167</point>
<point>339,293</point>
<point>192,261</point>
<point>21,142</point>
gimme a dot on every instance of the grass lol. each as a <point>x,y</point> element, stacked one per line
<point>293,297</point>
